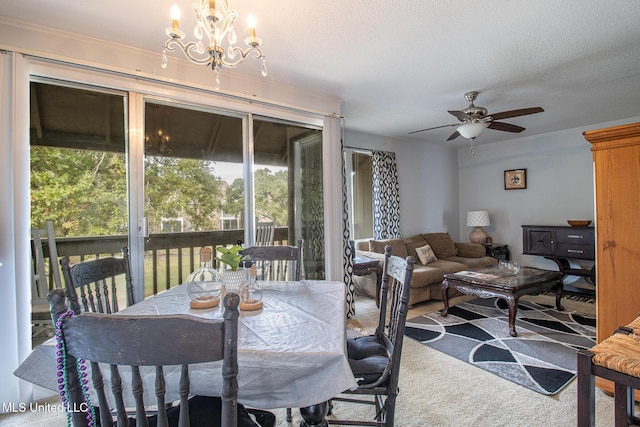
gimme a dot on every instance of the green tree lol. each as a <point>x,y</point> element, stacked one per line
<point>234,198</point>
<point>177,188</point>
<point>84,192</point>
<point>271,196</point>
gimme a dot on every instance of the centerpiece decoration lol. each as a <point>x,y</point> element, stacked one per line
<point>234,277</point>
<point>204,285</point>
<point>251,292</point>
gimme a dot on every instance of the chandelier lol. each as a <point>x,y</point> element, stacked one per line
<point>157,142</point>
<point>216,22</point>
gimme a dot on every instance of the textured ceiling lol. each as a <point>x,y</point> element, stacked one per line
<point>398,66</point>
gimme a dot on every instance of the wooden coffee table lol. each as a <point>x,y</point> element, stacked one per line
<point>490,282</point>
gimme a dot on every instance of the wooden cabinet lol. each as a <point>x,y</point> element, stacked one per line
<point>561,244</point>
<point>616,157</point>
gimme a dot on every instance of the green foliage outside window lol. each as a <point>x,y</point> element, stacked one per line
<point>84,192</point>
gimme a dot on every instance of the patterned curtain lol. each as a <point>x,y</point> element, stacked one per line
<point>347,258</point>
<point>386,197</point>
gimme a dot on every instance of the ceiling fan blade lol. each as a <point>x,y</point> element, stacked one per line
<point>437,127</point>
<point>516,113</point>
<point>461,115</point>
<point>506,127</point>
<point>453,136</point>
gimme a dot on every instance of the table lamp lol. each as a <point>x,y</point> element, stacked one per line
<point>478,219</point>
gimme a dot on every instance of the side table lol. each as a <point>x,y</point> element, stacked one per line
<point>363,266</point>
<point>498,251</point>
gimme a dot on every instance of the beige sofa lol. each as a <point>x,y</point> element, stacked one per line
<point>425,284</point>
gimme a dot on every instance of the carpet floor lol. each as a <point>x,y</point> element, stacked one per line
<point>542,357</point>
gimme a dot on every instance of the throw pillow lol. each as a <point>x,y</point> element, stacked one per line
<point>412,246</point>
<point>442,244</point>
<point>426,255</point>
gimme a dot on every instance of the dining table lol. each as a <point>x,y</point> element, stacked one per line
<point>291,352</point>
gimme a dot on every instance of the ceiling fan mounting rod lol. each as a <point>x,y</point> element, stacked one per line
<point>473,111</point>
<point>471,96</point>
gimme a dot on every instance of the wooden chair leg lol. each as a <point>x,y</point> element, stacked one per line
<point>586,391</point>
<point>623,409</point>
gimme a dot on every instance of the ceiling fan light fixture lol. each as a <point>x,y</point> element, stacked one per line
<point>472,130</point>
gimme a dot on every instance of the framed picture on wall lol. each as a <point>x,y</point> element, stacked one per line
<point>515,179</point>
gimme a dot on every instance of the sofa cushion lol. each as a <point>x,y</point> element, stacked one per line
<point>448,266</point>
<point>426,275</point>
<point>425,254</point>
<point>470,250</point>
<point>442,244</point>
<point>398,247</point>
<point>485,261</point>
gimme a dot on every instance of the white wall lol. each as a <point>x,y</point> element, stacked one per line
<point>559,185</point>
<point>428,179</point>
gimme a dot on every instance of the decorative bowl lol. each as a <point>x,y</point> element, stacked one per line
<point>509,268</point>
<point>579,222</point>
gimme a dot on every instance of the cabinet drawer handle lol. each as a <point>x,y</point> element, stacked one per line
<point>575,236</point>
<point>575,251</point>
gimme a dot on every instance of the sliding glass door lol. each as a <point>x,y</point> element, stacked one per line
<point>193,191</point>
<point>78,170</point>
<point>288,186</point>
<point>115,169</point>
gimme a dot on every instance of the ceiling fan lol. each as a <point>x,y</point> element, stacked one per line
<point>475,120</point>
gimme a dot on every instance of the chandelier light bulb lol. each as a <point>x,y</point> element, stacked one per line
<point>251,21</point>
<point>175,14</point>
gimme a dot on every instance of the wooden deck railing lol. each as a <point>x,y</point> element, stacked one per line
<point>169,257</point>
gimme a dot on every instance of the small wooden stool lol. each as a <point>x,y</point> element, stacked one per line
<point>616,359</point>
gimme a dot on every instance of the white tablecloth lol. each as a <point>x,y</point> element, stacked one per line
<point>290,354</point>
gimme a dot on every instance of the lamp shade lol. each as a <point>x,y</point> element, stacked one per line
<point>478,219</point>
<point>472,130</point>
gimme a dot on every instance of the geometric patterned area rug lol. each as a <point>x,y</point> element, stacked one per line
<point>542,357</point>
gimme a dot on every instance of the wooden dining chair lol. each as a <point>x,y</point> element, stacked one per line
<point>45,275</point>
<point>375,359</point>
<point>121,343</point>
<point>276,262</point>
<point>273,263</point>
<point>95,281</point>
<point>265,231</point>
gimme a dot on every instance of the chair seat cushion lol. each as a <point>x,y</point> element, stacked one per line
<point>620,353</point>
<point>369,369</point>
<point>366,346</point>
<point>368,358</point>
